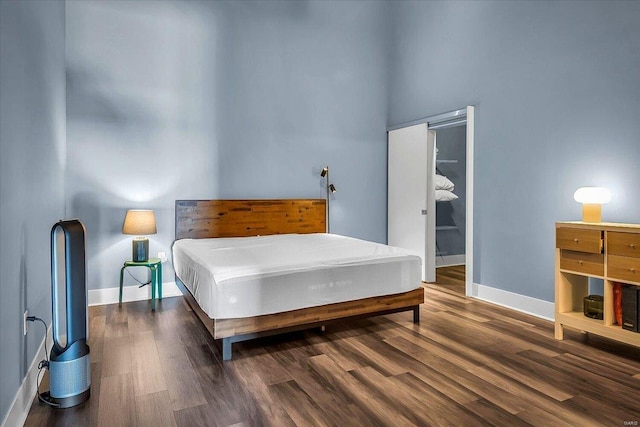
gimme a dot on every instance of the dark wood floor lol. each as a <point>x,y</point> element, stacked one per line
<point>467,363</point>
<point>452,278</point>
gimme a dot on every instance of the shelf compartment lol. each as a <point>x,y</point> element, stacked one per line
<point>570,293</point>
<point>577,320</point>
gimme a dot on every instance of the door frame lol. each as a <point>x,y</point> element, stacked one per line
<point>448,119</point>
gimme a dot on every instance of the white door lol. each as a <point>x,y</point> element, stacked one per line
<point>430,235</point>
<point>411,195</point>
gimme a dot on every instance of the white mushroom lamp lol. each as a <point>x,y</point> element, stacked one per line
<point>592,199</point>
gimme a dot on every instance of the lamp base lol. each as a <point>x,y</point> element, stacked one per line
<point>591,212</point>
<point>140,249</point>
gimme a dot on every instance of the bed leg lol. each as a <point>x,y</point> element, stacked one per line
<point>416,314</point>
<point>226,348</point>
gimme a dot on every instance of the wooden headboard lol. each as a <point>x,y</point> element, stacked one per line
<point>200,219</point>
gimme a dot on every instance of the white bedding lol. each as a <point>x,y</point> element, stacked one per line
<point>251,276</point>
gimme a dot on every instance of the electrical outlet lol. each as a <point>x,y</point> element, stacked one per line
<point>162,256</point>
<point>25,324</point>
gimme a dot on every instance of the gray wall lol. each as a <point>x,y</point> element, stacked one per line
<point>556,90</point>
<point>32,161</point>
<point>452,145</point>
<point>142,120</point>
<point>170,100</point>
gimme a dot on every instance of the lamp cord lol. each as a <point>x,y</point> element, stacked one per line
<point>134,278</point>
<point>44,364</point>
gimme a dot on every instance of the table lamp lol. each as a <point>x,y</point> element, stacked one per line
<point>592,199</point>
<point>139,222</point>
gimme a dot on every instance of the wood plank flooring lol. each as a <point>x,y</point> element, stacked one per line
<point>451,278</point>
<point>467,363</point>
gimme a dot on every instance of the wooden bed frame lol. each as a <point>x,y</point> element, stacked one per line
<point>242,218</point>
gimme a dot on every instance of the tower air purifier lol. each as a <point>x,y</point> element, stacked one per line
<point>69,362</point>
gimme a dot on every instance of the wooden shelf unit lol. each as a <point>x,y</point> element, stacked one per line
<point>608,251</point>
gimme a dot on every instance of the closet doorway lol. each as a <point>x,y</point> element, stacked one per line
<point>430,194</point>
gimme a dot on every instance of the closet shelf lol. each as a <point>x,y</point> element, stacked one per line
<point>446,227</point>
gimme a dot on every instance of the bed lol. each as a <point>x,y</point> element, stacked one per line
<point>250,268</point>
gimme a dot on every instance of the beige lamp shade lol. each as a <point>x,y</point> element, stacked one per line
<point>139,222</point>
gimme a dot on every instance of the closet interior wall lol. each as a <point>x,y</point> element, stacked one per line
<point>450,216</point>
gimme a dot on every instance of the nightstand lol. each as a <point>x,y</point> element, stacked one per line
<point>153,264</point>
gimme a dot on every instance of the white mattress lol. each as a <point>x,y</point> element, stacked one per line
<point>251,276</point>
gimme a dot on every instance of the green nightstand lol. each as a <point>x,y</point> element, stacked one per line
<point>155,265</point>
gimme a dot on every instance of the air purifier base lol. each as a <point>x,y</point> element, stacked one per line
<point>66,402</point>
<point>70,380</point>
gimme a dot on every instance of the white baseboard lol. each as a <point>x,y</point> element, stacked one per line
<point>450,260</point>
<point>130,293</point>
<point>21,404</point>
<point>525,304</point>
